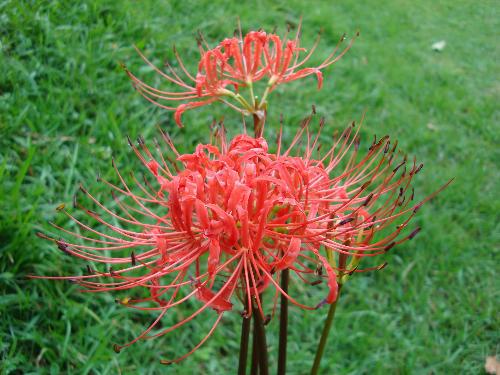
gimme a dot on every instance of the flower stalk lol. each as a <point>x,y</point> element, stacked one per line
<point>245,335</point>
<point>233,219</point>
<point>261,341</point>
<point>285,275</point>
<point>324,334</point>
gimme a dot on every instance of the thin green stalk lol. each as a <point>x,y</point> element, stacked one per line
<point>324,334</point>
<point>285,274</point>
<point>245,334</point>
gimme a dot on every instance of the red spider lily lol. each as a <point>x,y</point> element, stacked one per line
<point>218,228</point>
<point>234,63</point>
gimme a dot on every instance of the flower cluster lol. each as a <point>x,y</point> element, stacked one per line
<point>217,225</point>
<point>235,63</point>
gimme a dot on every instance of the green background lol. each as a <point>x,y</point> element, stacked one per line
<point>66,107</point>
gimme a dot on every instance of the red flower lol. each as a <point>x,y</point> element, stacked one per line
<point>219,228</point>
<point>235,63</point>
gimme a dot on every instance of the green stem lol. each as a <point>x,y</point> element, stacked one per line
<point>283,323</point>
<point>324,334</point>
<point>245,334</point>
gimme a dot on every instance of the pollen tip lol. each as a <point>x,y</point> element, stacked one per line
<point>129,141</point>
<point>166,362</point>
<point>414,233</point>
<point>365,185</point>
<point>321,304</point>
<point>267,319</point>
<point>382,266</point>
<point>345,221</point>
<point>117,348</point>
<point>390,246</point>
<point>62,246</point>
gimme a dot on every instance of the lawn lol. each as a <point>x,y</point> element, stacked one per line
<point>66,107</point>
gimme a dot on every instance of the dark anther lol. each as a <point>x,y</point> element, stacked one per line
<point>365,185</point>
<point>130,143</point>
<point>412,194</point>
<point>319,270</point>
<point>401,191</point>
<point>313,109</point>
<point>395,146</point>
<point>368,199</point>
<point>316,282</point>
<point>345,221</point>
<point>82,189</point>
<point>390,246</point>
<point>63,246</point>
<point>414,233</point>
<point>89,270</point>
<point>166,362</point>
<point>75,203</point>
<point>401,203</point>
<point>116,348</point>
<point>60,207</point>
<point>132,258</point>
<point>350,272</point>
<point>267,319</point>
<point>382,266</point>
<point>112,272</point>
<point>386,148</point>
<point>273,271</point>
<point>321,304</point>
<point>417,207</point>
<point>419,168</point>
<point>399,166</point>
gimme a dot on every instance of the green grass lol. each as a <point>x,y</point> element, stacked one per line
<point>66,106</point>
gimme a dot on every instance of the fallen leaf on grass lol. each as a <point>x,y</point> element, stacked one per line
<point>439,46</point>
<point>492,366</point>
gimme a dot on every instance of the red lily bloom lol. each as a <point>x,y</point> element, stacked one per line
<point>235,63</point>
<point>218,229</point>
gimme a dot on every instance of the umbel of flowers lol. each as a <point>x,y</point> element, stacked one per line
<point>226,223</point>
